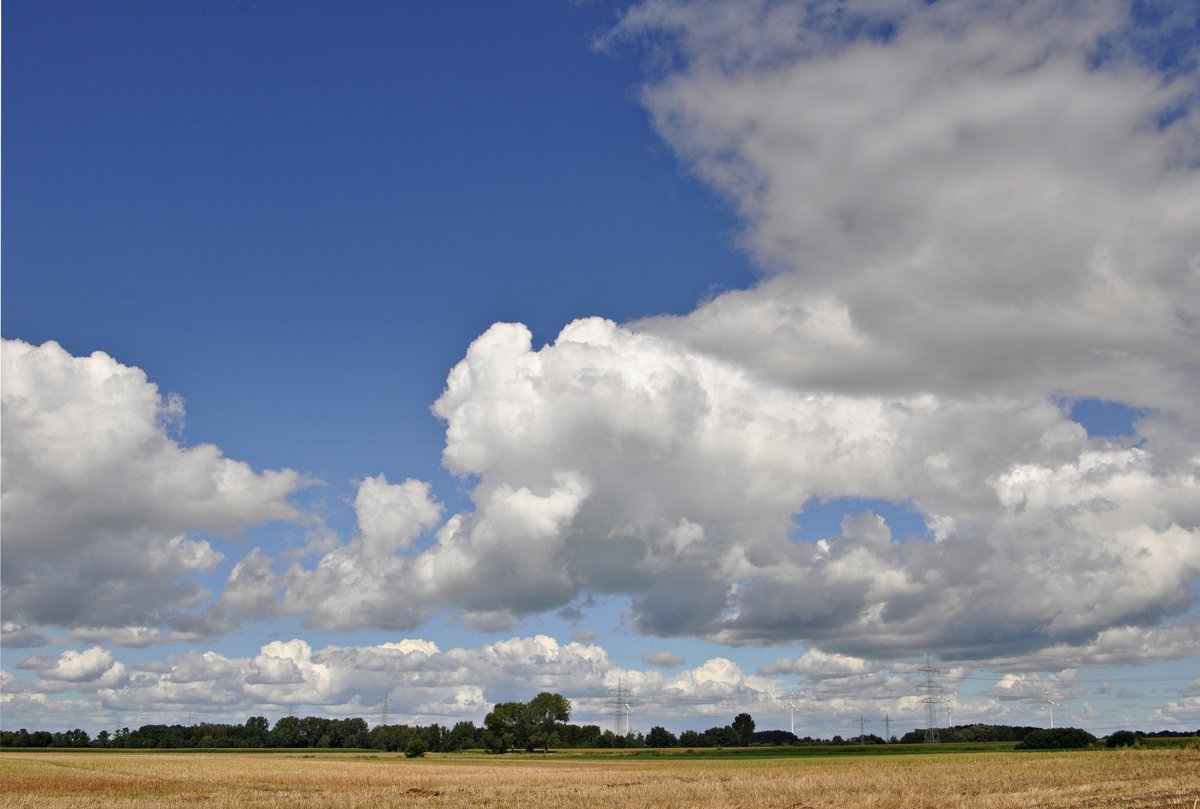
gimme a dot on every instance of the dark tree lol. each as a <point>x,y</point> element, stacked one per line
<point>1056,739</point>
<point>461,736</point>
<point>1122,738</point>
<point>721,737</point>
<point>660,737</point>
<point>743,726</point>
<point>774,737</point>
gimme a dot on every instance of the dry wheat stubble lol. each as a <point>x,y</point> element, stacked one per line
<point>1145,779</point>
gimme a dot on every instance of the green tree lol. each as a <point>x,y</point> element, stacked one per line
<point>257,729</point>
<point>721,737</point>
<point>1121,738</point>
<point>508,727</point>
<point>543,714</point>
<point>743,726</point>
<point>462,735</point>
<point>660,737</point>
<point>71,738</point>
<point>287,732</point>
<point>1056,739</point>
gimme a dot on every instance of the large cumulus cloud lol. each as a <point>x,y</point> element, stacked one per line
<point>968,215</point>
<point>618,461</point>
<point>957,197</point>
<point>101,504</point>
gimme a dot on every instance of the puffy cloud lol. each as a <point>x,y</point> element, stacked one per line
<point>954,252</point>
<point>716,688</point>
<point>133,636</point>
<point>1036,687</point>
<point>966,202</point>
<point>619,461</point>
<point>76,666</point>
<point>18,636</point>
<point>693,518</point>
<point>666,660</point>
<point>366,582</point>
<point>10,684</point>
<point>391,516</point>
<point>99,499</point>
<point>92,669</point>
<point>424,682</point>
<point>817,664</point>
<point>1120,645</point>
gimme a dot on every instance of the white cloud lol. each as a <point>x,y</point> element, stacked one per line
<point>390,516</point>
<point>817,664</point>
<point>966,219</point>
<point>132,636</point>
<point>613,461</point>
<point>99,499</point>
<point>366,582</point>
<point>425,684</point>
<point>1037,688</point>
<point>965,206</point>
<point>665,660</point>
<point>90,670</point>
<point>78,666</point>
<point>18,636</point>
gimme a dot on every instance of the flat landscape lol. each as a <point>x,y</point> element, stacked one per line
<point>1091,778</point>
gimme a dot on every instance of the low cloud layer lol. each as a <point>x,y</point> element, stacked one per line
<point>426,684</point>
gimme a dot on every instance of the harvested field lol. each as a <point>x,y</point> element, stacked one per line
<point>1150,779</point>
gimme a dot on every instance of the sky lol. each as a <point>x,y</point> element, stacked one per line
<point>749,357</point>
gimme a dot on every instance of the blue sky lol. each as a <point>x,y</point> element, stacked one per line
<point>891,351</point>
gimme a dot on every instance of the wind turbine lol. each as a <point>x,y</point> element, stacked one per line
<point>628,718</point>
<point>1050,704</point>
<point>791,703</point>
<point>950,709</point>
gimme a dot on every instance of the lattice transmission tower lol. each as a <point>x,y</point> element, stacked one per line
<point>621,709</point>
<point>932,699</point>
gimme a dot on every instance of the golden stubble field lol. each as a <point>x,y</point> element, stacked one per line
<point>1101,778</point>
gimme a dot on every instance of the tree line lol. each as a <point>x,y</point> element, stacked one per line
<point>540,724</point>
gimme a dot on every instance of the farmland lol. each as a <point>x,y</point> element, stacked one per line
<point>1090,778</point>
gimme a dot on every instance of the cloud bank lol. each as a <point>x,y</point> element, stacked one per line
<point>427,684</point>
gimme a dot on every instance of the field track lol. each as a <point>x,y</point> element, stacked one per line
<point>1097,778</point>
